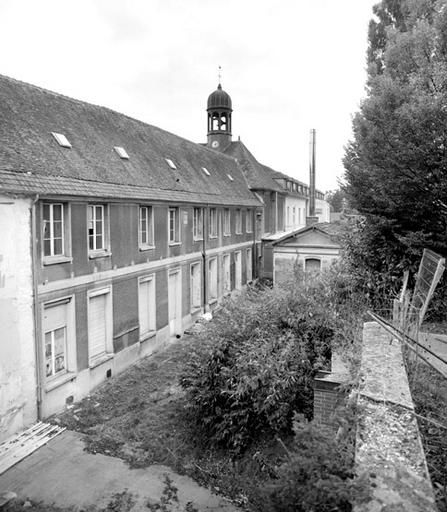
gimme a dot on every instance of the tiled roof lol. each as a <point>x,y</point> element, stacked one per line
<point>259,176</point>
<point>28,116</point>
<point>281,175</point>
<point>333,229</point>
<point>30,184</point>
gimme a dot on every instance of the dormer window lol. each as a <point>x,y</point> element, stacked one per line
<point>170,163</point>
<point>122,153</point>
<point>61,139</point>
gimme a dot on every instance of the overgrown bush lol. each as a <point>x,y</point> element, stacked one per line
<point>317,475</point>
<point>255,363</point>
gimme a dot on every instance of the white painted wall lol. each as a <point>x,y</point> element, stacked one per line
<point>18,398</point>
<point>300,213</point>
<point>322,210</point>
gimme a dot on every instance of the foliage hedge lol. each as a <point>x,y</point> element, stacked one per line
<point>316,475</point>
<point>255,363</point>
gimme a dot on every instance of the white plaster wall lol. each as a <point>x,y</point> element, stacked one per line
<point>300,219</point>
<point>284,259</point>
<point>18,398</point>
<point>325,215</point>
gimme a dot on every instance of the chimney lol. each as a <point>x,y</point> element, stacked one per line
<point>312,218</point>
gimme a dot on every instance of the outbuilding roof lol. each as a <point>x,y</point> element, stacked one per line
<point>33,160</point>
<point>332,229</point>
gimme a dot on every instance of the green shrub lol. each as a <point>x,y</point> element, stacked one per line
<point>255,363</point>
<point>316,476</point>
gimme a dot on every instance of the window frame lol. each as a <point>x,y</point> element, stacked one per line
<point>105,250</point>
<point>65,256</point>
<point>149,244</point>
<point>212,228</point>
<point>227,222</point>
<point>193,304</point>
<point>238,221</point>
<point>152,309</point>
<point>176,211</point>
<point>249,221</point>
<point>108,352</point>
<point>226,283</point>
<point>213,283</point>
<point>70,359</point>
<point>197,224</point>
<point>249,259</point>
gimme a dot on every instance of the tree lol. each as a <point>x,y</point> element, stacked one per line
<point>337,199</point>
<point>396,165</point>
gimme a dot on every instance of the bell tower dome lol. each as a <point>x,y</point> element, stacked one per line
<point>219,119</point>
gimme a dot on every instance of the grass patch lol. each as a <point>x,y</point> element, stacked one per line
<point>140,416</point>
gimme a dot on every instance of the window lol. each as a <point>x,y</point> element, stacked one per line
<point>145,227</point>
<point>55,332</point>
<point>196,286</point>
<point>248,266</point>
<point>212,279</point>
<point>226,222</point>
<point>288,215</point>
<point>237,270</point>
<point>146,306</point>
<point>121,152</point>
<point>174,235</point>
<point>53,229</point>
<point>249,221</point>
<point>238,221</point>
<point>213,222</point>
<point>293,216</point>
<point>61,140</point>
<point>312,265</point>
<point>230,177</point>
<point>171,163</point>
<point>58,337</point>
<point>206,171</point>
<point>99,324</point>
<point>198,224</point>
<point>96,227</point>
<point>226,273</point>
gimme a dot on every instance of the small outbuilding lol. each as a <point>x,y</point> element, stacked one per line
<point>312,249</point>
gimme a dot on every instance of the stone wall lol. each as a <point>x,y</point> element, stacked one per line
<point>389,451</point>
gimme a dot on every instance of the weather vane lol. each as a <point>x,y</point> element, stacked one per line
<point>220,73</point>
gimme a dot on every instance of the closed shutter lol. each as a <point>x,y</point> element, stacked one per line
<point>97,325</point>
<point>144,307</point>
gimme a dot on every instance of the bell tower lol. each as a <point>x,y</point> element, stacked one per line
<point>219,119</point>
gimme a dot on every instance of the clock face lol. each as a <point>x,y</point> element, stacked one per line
<point>215,144</point>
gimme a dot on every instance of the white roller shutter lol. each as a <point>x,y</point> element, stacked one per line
<point>97,334</point>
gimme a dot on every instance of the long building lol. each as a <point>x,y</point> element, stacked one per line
<point>115,236</point>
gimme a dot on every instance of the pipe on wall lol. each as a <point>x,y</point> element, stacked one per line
<point>37,347</point>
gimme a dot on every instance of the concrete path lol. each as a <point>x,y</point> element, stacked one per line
<point>63,474</point>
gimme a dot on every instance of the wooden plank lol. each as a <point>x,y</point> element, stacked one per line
<point>17,448</point>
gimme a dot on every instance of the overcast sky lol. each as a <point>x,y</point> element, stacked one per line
<point>289,65</point>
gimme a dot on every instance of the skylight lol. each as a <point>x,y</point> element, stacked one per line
<point>61,139</point>
<point>206,171</point>
<point>230,177</point>
<point>170,163</point>
<point>121,152</point>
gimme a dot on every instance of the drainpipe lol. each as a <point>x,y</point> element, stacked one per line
<point>205,290</point>
<point>276,212</point>
<point>37,342</point>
